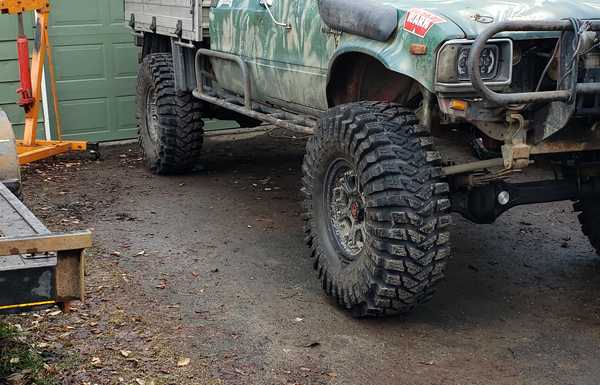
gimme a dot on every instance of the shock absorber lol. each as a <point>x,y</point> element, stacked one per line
<point>25,91</point>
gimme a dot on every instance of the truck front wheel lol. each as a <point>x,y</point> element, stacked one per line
<point>169,122</point>
<point>376,208</point>
<point>589,217</point>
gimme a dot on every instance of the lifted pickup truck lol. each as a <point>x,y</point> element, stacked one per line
<point>417,109</point>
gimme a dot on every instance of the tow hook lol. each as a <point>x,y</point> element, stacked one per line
<point>516,152</point>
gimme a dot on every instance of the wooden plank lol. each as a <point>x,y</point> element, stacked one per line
<point>31,244</point>
<point>70,276</point>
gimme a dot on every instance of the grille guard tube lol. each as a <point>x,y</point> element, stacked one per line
<point>523,97</point>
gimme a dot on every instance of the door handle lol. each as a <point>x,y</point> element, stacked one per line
<point>268,4</point>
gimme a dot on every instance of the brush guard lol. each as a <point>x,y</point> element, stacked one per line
<point>561,95</point>
<point>560,103</point>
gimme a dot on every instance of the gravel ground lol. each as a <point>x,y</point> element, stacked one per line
<point>212,267</point>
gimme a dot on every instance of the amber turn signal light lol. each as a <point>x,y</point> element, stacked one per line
<point>418,49</point>
<point>459,105</point>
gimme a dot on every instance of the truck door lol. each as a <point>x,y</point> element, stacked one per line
<point>287,54</point>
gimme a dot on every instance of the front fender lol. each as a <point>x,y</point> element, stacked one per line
<point>395,53</point>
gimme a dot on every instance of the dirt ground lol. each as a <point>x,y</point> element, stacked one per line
<point>212,267</point>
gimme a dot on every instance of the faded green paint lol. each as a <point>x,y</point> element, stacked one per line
<point>281,62</point>
<point>293,65</point>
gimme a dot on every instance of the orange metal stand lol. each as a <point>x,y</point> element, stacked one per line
<point>30,149</point>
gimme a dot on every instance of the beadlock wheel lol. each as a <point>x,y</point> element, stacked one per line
<point>376,208</point>
<point>170,126</point>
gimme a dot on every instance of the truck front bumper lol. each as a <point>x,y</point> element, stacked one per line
<point>568,88</point>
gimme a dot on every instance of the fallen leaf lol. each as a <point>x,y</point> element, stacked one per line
<point>312,345</point>
<point>183,361</point>
<point>96,361</point>
<point>54,313</point>
<point>331,374</point>
<point>16,379</point>
<point>239,371</point>
<point>125,353</point>
<point>140,381</point>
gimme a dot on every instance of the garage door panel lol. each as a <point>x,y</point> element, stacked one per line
<point>125,87</point>
<point>115,12</point>
<point>102,136</point>
<point>69,62</point>
<point>124,60</point>
<point>71,13</point>
<point>124,105</point>
<point>84,89</point>
<point>96,69</point>
<point>85,115</point>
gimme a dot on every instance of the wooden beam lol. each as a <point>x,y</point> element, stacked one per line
<point>30,244</point>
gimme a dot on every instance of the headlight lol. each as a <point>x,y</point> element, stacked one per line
<point>489,63</point>
<point>453,58</point>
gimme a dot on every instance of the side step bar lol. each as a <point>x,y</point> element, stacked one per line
<point>296,123</point>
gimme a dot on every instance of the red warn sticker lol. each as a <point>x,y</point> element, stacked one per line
<point>419,22</point>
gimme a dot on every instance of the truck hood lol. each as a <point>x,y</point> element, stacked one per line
<point>466,13</point>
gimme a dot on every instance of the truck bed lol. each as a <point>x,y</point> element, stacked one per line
<point>165,16</point>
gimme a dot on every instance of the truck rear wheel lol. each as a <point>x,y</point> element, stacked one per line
<point>589,217</point>
<point>170,126</point>
<point>376,208</point>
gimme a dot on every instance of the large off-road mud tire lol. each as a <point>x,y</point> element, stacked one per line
<point>170,126</point>
<point>376,208</point>
<point>589,217</point>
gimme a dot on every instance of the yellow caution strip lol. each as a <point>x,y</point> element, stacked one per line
<point>7,307</point>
